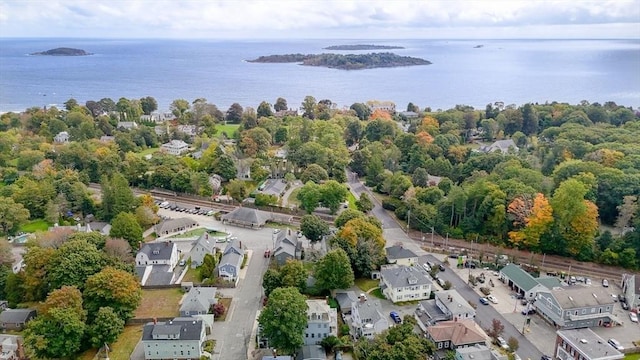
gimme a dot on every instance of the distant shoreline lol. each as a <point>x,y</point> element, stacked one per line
<point>363,47</point>
<point>62,51</point>
<point>344,62</point>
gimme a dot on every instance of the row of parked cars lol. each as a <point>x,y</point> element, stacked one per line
<point>196,210</point>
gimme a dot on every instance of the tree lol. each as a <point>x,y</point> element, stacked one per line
<point>280,105</point>
<point>284,319</point>
<point>106,327</point>
<point>126,226</point>
<point>225,167</point>
<point>496,328</point>
<point>148,104</point>
<point>115,288</point>
<point>513,344</point>
<point>234,113</point>
<point>309,106</point>
<point>67,297</point>
<point>118,249</point>
<point>420,177</point>
<point>332,194</point>
<point>293,274</point>
<point>271,281</point>
<point>315,173</point>
<point>237,189</point>
<point>264,110</point>
<point>73,263</point>
<point>333,271</point>
<point>309,196</point>
<point>56,334</point>
<point>362,110</point>
<point>313,228</point>
<point>12,215</point>
<point>364,204</point>
<point>179,107</point>
<point>117,196</point>
<point>208,267</point>
<point>398,342</point>
<point>219,309</point>
<point>575,218</point>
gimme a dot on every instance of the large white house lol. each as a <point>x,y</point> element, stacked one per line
<point>175,147</point>
<point>158,253</point>
<point>322,321</point>
<point>367,319</point>
<point>180,338</point>
<point>404,283</point>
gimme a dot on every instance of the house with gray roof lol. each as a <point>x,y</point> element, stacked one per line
<point>583,344</point>
<point>503,146</point>
<point>180,338</point>
<point>478,352</point>
<point>246,217</point>
<point>175,147</point>
<point>447,305</point>
<point>367,319</point>
<point>404,283</point>
<point>287,247</point>
<point>520,281</point>
<point>62,137</point>
<point>158,253</point>
<point>231,261</point>
<point>199,300</point>
<point>174,226</point>
<point>576,307</point>
<point>206,244</point>
<point>400,255</point>
<point>16,319</point>
<point>127,125</point>
<point>345,299</point>
<point>99,226</point>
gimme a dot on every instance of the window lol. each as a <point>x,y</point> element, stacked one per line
<point>584,311</point>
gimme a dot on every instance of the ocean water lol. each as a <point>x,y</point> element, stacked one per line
<point>511,71</point>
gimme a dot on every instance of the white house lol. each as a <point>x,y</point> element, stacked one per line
<point>175,147</point>
<point>400,255</point>
<point>322,321</point>
<point>231,261</point>
<point>205,245</point>
<point>404,283</point>
<point>453,305</point>
<point>367,319</point>
<point>62,137</point>
<point>503,146</point>
<point>387,106</point>
<point>127,125</point>
<point>158,253</point>
<point>180,338</point>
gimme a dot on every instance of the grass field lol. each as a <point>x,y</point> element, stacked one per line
<point>377,293</point>
<point>123,347</point>
<point>159,303</point>
<point>366,284</point>
<point>229,129</point>
<point>191,276</point>
<point>147,151</point>
<point>352,201</point>
<point>632,357</point>
<point>35,225</point>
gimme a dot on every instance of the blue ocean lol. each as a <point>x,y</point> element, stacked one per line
<point>473,72</point>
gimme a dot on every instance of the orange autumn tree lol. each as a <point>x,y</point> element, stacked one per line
<point>534,217</point>
<point>380,114</point>
<point>430,125</point>
<point>423,138</point>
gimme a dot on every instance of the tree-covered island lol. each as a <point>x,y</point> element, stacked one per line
<point>363,47</point>
<point>63,51</point>
<point>345,62</point>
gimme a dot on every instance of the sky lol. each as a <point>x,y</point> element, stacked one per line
<point>328,19</point>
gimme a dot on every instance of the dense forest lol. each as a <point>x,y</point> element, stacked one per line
<point>569,186</point>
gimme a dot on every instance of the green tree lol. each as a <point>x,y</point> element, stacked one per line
<point>284,319</point>
<point>346,215</point>
<point>234,113</point>
<point>333,271</point>
<point>271,281</point>
<point>148,104</point>
<point>12,215</point>
<point>115,288</point>
<point>225,167</point>
<point>280,105</point>
<point>309,196</point>
<point>106,327</point>
<point>117,196</point>
<point>179,107</point>
<point>126,226</point>
<point>362,110</point>
<point>73,263</point>
<point>67,297</point>
<point>313,228</point>
<point>56,334</point>
<point>237,189</point>
<point>293,274</point>
<point>364,204</point>
<point>264,110</point>
<point>208,267</point>
<point>309,105</point>
<point>314,173</point>
<point>575,219</point>
<point>399,342</point>
<point>332,194</point>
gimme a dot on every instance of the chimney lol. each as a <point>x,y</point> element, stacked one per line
<point>206,236</point>
<point>240,245</point>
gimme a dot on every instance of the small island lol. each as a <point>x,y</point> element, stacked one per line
<point>345,62</point>
<point>63,51</point>
<point>362,47</point>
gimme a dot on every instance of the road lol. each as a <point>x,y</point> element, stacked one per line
<point>484,314</point>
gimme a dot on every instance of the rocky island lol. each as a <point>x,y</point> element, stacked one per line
<point>63,51</point>
<point>345,62</point>
<point>363,47</point>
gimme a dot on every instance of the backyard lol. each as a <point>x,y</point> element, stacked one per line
<point>123,347</point>
<point>35,225</point>
<point>366,284</point>
<point>159,303</point>
<point>228,129</point>
<point>146,152</point>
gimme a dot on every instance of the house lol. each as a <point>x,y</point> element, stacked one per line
<point>99,227</point>
<point>246,217</point>
<point>287,247</point>
<point>62,137</point>
<point>503,146</point>
<point>631,290</point>
<point>190,130</point>
<point>345,299</point>
<point>400,255</point>
<point>575,307</point>
<point>367,319</point>
<point>16,319</point>
<point>175,147</point>
<point>11,347</point>
<point>180,338</point>
<point>107,138</point>
<point>199,300</point>
<point>404,283</point>
<point>450,335</point>
<point>174,225</point>
<point>478,352</point>
<point>127,125</point>
<point>215,181</point>
<point>231,261</point>
<point>520,281</point>
<point>311,352</point>
<point>205,245</point>
<point>158,253</point>
<point>387,106</point>
<point>158,117</point>
<point>409,114</point>
<point>447,305</point>
<point>583,344</point>
<point>322,321</point>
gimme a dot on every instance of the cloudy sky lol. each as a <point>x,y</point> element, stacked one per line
<point>255,19</point>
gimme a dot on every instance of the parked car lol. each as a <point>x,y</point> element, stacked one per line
<point>605,282</point>
<point>529,311</point>
<point>396,318</point>
<point>182,262</point>
<point>545,357</point>
<point>614,297</point>
<point>633,316</point>
<point>624,305</point>
<point>587,281</point>
<point>484,301</point>
<point>502,342</point>
<point>516,357</point>
<point>441,267</point>
<point>616,344</point>
<point>492,299</point>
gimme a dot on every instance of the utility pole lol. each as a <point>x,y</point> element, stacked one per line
<point>432,236</point>
<point>408,220</point>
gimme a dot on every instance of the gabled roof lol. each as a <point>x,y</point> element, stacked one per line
<point>246,216</point>
<point>172,224</point>
<point>187,328</point>
<point>521,278</point>
<point>368,309</point>
<point>549,282</point>
<point>401,276</point>
<point>312,352</point>
<point>15,316</point>
<point>159,275</point>
<point>476,352</point>
<point>581,296</point>
<point>207,243</point>
<point>502,145</point>
<point>199,299</point>
<point>458,332</point>
<point>232,254</point>
<point>287,243</point>
<point>399,252</point>
<point>345,298</point>
<point>158,250</point>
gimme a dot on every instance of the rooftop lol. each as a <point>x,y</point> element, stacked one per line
<point>454,301</point>
<point>187,328</point>
<point>458,332</point>
<point>158,250</point>
<point>589,344</point>
<point>401,276</point>
<point>521,278</point>
<point>581,296</point>
<point>399,252</point>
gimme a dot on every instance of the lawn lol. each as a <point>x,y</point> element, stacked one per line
<point>229,129</point>
<point>293,198</point>
<point>159,303</point>
<point>123,347</point>
<point>148,151</point>
<point>367,284</point>
<point>632,357</point>
<point>352,201</point>
<point>35,225</point>
<point>377,293</point>
<point>191,276</point>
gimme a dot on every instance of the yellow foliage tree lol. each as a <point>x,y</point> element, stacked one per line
<point>424,138</point>
<point>536,216</point>
<point>430,125</point>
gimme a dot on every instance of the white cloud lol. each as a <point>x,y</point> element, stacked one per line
<point>316,18</point>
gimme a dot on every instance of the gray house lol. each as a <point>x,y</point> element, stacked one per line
<point>16,319</point>
<point>345,299</point>
<point>198,301</point>
<point>205,245</point>
<point>180,338</point>
<point>400,255</point>
<point>231,261</point>
<point>246,217</point>
<point>174,225</point>
<point>631,290</point>
<point>367,319</point>
<point>503,146</point>
<point>322,321</point>
<point>404,283</point>
<point>576,307</point>
<point>287,247</point>
<point>447,305</point>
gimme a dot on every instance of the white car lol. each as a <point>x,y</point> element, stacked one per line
<point>616,344</point>
<point>503,344</point>
<point>633,316</point>
<point>492,299</point>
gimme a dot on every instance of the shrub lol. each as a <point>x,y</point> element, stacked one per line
<point>485,290</point>
<point>219,309</point>
<point>391,204</point>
